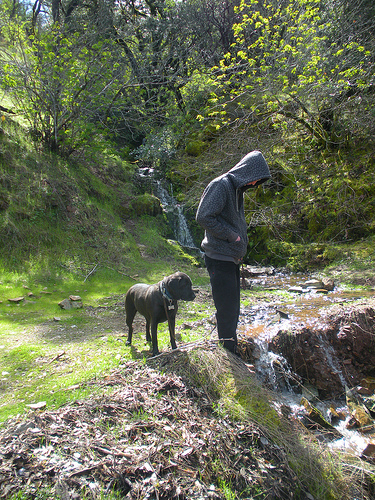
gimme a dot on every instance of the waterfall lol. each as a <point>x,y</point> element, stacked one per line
<point>332,361</point>
<point>172,209</point>
<point>274,370</point>
<point>175,216</point>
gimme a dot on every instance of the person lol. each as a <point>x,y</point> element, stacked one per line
<point>221,214</point>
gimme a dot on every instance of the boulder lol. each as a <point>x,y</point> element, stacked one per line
<point>336,353</point>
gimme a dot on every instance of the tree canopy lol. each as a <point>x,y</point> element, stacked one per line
<point>126,68</point>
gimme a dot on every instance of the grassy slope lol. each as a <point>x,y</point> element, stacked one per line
<point>63,232</point>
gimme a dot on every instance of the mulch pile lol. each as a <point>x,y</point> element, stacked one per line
<point>147,436</point>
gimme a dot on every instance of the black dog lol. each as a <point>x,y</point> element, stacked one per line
<point>157,303</point>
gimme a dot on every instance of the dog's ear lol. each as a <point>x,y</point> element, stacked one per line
<point>173,285</point>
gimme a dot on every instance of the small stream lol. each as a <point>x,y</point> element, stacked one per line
<point>263,321</point>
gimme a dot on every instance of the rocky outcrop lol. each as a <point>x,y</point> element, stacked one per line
<point>339,352</point>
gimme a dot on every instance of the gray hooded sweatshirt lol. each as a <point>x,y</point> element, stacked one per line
<point>221,211</point>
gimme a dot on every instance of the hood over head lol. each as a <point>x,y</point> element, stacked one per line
<point>252,167</point>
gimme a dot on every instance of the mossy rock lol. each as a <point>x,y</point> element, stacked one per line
<point>146,204</point>
<point>195,148</point>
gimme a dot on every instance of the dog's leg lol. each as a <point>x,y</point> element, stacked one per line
<point>154,337</point>
<point>172,334</point>
<point>148,336</point>
<point>130,313</point>
<point>130,335</point>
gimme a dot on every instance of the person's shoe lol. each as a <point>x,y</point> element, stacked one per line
<point>230,345</point>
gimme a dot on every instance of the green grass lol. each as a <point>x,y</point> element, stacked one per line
<point>50,354</point>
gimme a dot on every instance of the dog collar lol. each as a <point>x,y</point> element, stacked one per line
<point>166,295</point>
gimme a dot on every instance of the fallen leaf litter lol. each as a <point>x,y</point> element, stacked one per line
<point>150,436</point>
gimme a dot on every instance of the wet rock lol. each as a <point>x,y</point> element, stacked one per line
<point>308,353</point>
<point>314,284</point>
<point>369,383</point>
<point>248,271</point>
<point>364,391</point>
<point>310,392</point>
<point>340,351</point>
<point>329,284</point>
<point>358,411</point>
<point>282,314</point>
<point>254,272</point>
<point>369,402</point>
<point>297,289</point>
<point>315,419</point>
<point>248,349</point>
<point>326,284</point>
<point>335,415</point>
<point>369,453</point>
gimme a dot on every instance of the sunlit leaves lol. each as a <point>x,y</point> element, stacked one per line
<point>58,78</point>
<point>284,54</point>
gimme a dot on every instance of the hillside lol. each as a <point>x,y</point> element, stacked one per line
<point>93,207</point>
<point>86,226</point>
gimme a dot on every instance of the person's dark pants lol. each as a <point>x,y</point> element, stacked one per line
<point>225,285</point>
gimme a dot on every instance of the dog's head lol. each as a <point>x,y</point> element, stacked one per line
<point>179,286</point>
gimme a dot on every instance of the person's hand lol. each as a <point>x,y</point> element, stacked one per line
<point>238,238</point>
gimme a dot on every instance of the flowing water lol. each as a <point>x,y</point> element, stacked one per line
<point>172,209</point>
<point>175,216</point>
<point>262,322</point>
